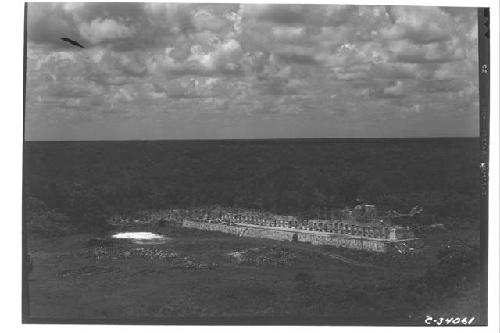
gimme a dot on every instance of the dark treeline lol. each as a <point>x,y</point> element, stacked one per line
<point>87,181</point>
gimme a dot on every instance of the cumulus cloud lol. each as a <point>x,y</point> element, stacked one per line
<point>322,67</point>
<point>288,33</point>
<point>434,53</point>
<point>422,25</point>
<point>100,30</point>
<point>396,90</point>
<point>205,20</point>
<point>292,15</point>
<point>297,58</point>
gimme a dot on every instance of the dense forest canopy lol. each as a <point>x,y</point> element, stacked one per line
<point>87,181</point>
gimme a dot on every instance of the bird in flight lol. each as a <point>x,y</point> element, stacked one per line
<point>72,42</point>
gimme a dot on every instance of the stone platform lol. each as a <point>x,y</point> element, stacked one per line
<point>306,236</point>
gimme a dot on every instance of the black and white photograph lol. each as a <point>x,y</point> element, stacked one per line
<point>255,164</point>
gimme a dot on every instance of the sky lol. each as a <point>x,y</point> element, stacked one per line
<point>155,71</point>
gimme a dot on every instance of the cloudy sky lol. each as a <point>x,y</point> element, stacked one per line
<point>180,71</point>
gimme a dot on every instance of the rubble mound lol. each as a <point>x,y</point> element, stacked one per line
<point>150,253</point>
<point>156,255</point>
<point>275,256</point>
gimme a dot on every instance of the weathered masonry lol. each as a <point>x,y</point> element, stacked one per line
<point>361,228</point>
<point>314,237</point>
<point>340,227</point>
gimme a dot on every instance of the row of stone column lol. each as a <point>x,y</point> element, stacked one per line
<point>350,229</point>
<point>330,227</point>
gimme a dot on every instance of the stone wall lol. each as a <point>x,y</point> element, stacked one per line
<point>314,238</point>
<point>319,232</point>
<point>347,228</point>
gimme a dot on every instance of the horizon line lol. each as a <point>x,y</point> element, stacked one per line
<point>270,139</point>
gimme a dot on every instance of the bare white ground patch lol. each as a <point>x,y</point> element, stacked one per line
<point>141,237</point>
